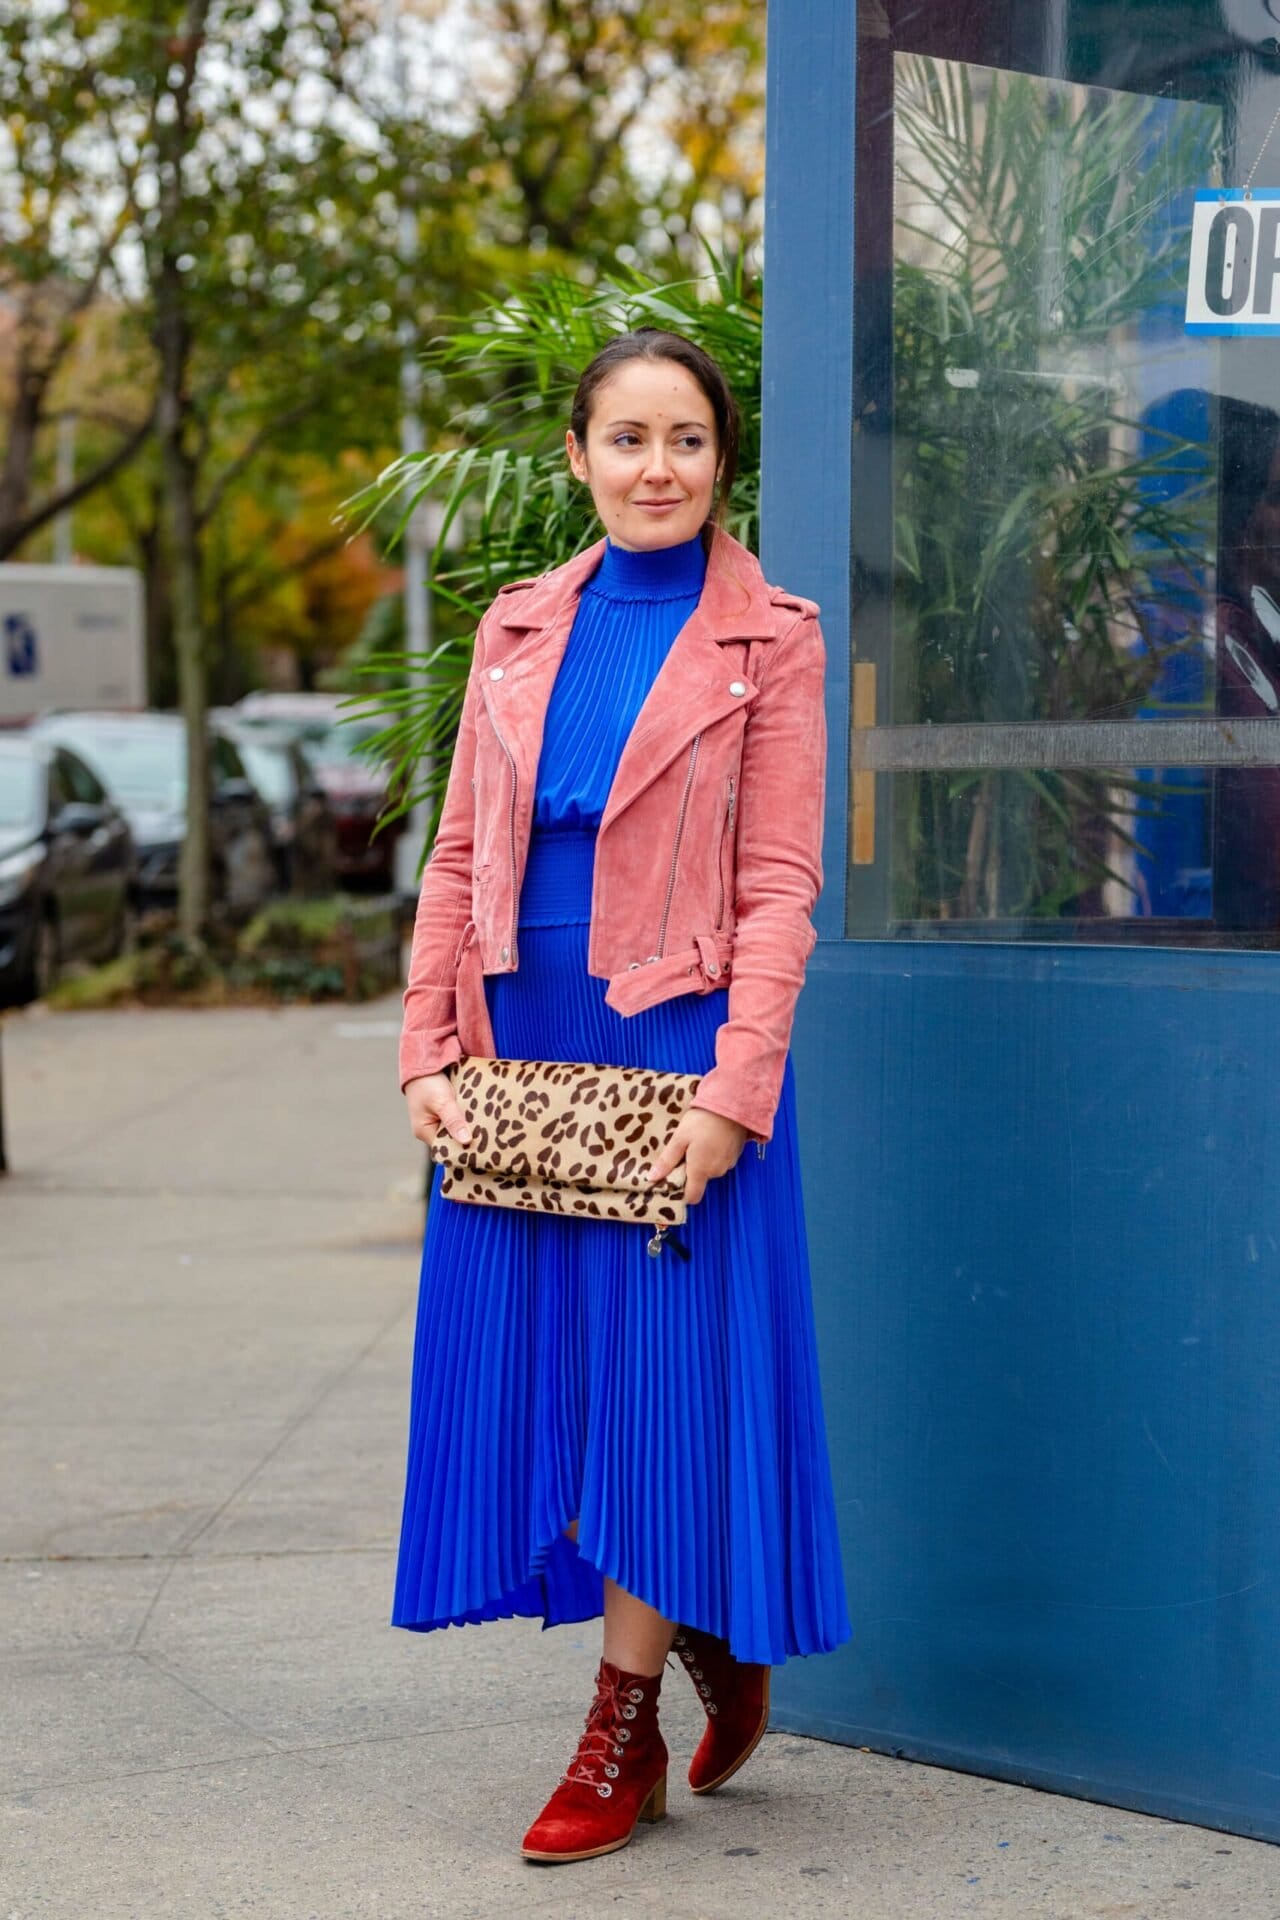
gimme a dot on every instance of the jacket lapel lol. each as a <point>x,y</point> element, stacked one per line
<point>690,691</point>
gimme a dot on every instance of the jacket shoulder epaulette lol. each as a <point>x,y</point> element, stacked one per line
<point>796,602</point>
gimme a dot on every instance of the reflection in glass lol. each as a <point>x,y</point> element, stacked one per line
<point>1034,845</point>
<point>1051,534</point>
<point>1246,864</point>
<point>1039,515</point>
<point>1066,508</point>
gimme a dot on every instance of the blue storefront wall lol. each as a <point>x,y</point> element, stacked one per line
<point>1043,1192</point>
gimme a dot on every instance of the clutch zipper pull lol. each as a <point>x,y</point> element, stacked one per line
<point>667,1236</point>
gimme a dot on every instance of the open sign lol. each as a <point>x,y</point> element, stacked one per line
<point>1234,283</point>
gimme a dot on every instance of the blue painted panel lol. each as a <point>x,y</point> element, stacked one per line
<point>808,360</point>
<point>1045,1213</point>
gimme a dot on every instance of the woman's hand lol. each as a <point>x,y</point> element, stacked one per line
<point>432,1105</point>
<point>709,1144</point>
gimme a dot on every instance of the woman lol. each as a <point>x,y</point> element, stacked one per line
<point>632,828</point>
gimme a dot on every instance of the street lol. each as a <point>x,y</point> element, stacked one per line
<point>210,1241</point>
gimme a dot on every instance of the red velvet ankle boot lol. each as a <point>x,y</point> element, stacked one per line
<point>735,1695</point>
<point>617,1776</point>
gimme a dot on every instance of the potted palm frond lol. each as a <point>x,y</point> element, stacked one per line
<point>505,503</point>
<point>1048,513</point>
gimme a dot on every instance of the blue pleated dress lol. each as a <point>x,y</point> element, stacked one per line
<point>559,1370</point>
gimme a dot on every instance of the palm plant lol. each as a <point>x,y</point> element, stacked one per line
<point>1042,517</point>
<point>508,504</point>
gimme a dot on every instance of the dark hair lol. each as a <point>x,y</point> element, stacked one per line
<point>655,343</point>
<point>1248,439</point>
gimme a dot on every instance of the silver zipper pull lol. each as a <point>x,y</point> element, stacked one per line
<point>659,1241</point>
<point>732,799</point>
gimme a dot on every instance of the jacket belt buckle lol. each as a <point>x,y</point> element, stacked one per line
<point>706,946</point>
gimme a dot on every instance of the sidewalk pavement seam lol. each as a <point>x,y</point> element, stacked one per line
<point>215,1553</point>
<point>24,1184</point>
<point>174,1095</point>
<point>184,1551</point>
<point>158,1665</point>
<point>271,1749</point>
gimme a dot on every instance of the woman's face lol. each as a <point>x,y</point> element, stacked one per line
<point>650,456</point>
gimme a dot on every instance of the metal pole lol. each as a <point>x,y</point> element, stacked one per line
<point>417,597</point>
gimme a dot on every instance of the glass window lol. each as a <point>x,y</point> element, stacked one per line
<point>1067,506</point>
<point>227,764</point>
<point>78,780</point>
<point>340,743</point>
<point>141,761</point>
<point>270,767</point>
<point>60,793</point>
<point>20,784</point>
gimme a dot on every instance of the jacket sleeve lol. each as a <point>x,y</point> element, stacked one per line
<point>428,1034</point>
<point>779,878</point>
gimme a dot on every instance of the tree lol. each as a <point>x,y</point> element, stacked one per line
<point>254,245</point>
<point>599,130</point>
<point>221,186</point>
<point>65,207</point>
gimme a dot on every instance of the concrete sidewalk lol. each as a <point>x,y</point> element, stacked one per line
<point>209,1261</point>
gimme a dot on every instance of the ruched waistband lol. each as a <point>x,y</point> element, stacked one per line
<point>556,890</point>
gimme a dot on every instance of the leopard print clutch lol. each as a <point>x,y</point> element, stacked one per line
<point>566,1137</point>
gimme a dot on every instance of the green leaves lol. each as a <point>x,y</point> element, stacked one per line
<point>1040,519</point>
<point>506,503</point>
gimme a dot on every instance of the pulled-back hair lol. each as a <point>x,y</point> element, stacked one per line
<point>655,343</point>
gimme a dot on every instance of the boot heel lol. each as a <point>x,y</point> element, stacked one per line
<point>655,1806</point>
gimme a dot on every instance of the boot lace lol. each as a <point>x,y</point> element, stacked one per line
<point>605,1737</point>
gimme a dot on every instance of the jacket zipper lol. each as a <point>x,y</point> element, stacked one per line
<point>675,851</point>
<point>671,881</point>
<point>720,909</point>
<point>733,798</point>
<point>671,878</point>
<point>511,825</point>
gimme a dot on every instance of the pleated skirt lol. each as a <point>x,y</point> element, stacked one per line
<point>560,1371</point>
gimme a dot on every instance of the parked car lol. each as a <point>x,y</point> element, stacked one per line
<point>303,829</point>
<point>356,786</point>
<point>141,759</point>
<point>67,864</point>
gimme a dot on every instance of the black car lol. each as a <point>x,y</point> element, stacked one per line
<point>66,867</point>
<point>303,828</point>
<point>141,759</point>
<point>356,787</point>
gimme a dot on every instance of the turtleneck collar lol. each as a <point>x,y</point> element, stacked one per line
<point>661,573</point>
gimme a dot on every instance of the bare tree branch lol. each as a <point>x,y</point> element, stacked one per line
<point>16,532</point>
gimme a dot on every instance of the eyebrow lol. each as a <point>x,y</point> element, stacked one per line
<point>644,423</point>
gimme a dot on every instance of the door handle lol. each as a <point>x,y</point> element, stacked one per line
<point>863,814</point>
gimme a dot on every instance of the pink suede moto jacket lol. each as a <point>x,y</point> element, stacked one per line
<point>708,856</point>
